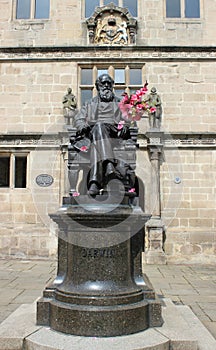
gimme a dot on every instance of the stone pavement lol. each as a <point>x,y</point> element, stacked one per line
<point>22,281</point>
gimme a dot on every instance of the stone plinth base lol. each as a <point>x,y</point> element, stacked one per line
<point>154,253</point>
<point>113,320</point>
<point>181,330</point>
<point>103,292</point>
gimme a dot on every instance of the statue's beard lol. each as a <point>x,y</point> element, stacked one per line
<point>106,95</point>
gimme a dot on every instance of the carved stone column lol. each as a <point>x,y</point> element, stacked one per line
<point>154,252</point>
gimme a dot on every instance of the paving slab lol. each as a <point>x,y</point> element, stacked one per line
<point>31,276</point>
<point>205,340</point>
<point>17,326</point>
<point>211,326</point>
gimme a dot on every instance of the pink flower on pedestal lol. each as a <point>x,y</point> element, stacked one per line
<point>76,194</point>
<point>132,190</point>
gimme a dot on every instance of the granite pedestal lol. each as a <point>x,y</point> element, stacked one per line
<point>101,290</point>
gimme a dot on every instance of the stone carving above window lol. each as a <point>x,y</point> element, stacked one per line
<point>112,25</point>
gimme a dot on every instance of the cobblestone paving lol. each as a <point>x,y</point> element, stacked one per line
<point>22,281</point>
<point>192,285</point>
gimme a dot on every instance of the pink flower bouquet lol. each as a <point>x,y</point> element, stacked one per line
<point>134,106</point>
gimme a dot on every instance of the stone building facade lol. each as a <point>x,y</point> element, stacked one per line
<point>41,57</point>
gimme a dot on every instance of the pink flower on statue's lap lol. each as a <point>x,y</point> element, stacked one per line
<point>120,124</point>
<point>83,149</point>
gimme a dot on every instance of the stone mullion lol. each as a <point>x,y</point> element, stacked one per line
<point>12,171</point>
<point>32,8</point>
<point>94,76</point>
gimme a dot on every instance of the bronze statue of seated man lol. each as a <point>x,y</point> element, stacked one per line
<point>101,121</point>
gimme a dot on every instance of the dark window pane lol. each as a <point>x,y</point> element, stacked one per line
<point>86,77</point>
<point>90,7</point>
<point>192,8</point>
<point>132,6</point>
<point>42,8</point>
<point>173,8</point>
<point>107,2</point>
<point>85,95</point>
<point>20,172</point>
<point>4,171</point>
<point>119,76</point>
<point>23,9</point>
<point>135,76</point>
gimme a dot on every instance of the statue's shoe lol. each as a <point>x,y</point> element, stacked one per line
<point>93,189</point>
<point>112,173</point>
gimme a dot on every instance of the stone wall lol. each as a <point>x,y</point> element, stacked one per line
<point>189,204</point>
<point>188,94</point>
<point>31,95</point>
<point>66,26</point>
<point>26,229</point>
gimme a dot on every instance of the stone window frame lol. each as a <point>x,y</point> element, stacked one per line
<point>120,4</point>
<point>12,176</point>
<point>32,13</point>
<point>182,17</point>
<point>127,87</point>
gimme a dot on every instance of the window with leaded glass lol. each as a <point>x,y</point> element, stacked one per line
<point>183,8</point>
<point>13,170</point>
<point>32,9</point>
<point>127,79</point>
<point>90,6</point>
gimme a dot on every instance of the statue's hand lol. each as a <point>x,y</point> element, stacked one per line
<point>83,129</point>
<point>124,131</point>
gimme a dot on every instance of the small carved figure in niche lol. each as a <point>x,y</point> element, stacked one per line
<point>69,106</point>
<point>154,100</point>
<point>132,35</point>
<point>101,121</point>
<point>123,30</point>
<point>100,33</point>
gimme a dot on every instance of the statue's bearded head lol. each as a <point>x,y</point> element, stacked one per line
<point>104,85</point>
